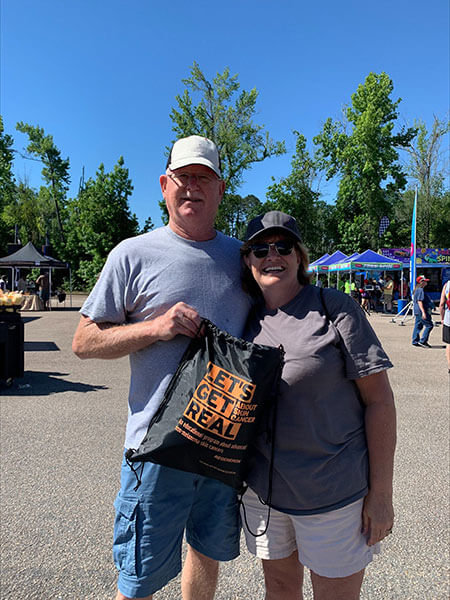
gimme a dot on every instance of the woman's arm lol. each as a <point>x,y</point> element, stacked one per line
<point>380,421</point>
<point>442,303</point>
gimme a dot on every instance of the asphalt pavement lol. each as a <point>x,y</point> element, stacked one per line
<point>62,430</point>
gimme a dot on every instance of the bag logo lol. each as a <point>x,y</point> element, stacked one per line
<point>221,402</point>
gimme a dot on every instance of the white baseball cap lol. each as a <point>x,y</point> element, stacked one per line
<point>194,150</point>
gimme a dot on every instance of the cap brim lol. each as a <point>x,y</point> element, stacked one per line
<point>193,161</point>
<point>275,228</point>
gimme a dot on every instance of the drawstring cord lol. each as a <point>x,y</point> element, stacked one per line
<point>268,500</point>
<point>140,467</point>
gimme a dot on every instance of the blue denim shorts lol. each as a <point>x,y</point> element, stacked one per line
<point>150,522</point>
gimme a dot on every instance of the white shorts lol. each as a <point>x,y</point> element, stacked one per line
<point>330,544</point>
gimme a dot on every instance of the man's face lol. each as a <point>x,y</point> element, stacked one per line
<point>192,195</point>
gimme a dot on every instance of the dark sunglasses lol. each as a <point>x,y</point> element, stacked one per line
<point>283,247</point>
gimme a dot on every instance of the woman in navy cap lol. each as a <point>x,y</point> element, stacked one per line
<point>328,477</point>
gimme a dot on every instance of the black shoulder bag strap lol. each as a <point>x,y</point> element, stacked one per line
<point>267,502</point>
<point>324,306</point>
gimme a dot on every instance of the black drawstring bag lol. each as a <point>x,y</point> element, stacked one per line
<point>212,405</point>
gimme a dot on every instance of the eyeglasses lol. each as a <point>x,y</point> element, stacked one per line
<point>183,179</point>
<point>283,248</point>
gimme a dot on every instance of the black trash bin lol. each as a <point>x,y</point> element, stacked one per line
<point>11,345</point>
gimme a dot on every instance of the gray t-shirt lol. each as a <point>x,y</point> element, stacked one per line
<point>320,460</point>
<point>146,275</point>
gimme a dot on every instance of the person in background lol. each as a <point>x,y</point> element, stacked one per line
<point>422,308</point>
<point>375,296</point>
<point>22,284</point>
<point>43,284</point>
<point>365,298</point>
<point>388,292</point>
<point>333,444</point>
<point>147,303</point>
<point>444,310</point>
<point>2,284</point>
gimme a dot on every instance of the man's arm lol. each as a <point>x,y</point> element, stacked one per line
<point>380,419</point>
<point>108,340</point>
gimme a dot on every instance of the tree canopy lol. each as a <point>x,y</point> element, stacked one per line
<point>362,149</point>
<point>55,169</point>
<point>218,110</point>
<point>99,218</point>
<point>295,195</point>
<point>361,152</point>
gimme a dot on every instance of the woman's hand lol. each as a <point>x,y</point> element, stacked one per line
<point>378,514</point>
<point>377,517</point>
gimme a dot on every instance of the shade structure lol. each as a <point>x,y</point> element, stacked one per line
<point>319,260</point>
<point>29,257</point>
<point>324,265</point>
<point>367,261</point>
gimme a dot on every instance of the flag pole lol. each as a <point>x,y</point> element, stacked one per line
<point>412,260</point>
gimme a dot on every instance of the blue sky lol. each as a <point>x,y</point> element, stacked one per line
<point>101,76</point>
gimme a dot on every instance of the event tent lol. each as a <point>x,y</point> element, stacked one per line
<point>29,257</point>
<point>319,260</point>
<point>322,265</point>
<point>367,261</point>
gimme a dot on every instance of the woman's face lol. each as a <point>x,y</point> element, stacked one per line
<point>274,271</point>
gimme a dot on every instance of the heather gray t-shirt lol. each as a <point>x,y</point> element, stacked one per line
<point>320,459</point>
<point>146,275</point>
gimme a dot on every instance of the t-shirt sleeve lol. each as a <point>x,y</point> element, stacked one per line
<point>361,348</point>
<point>105,304</point>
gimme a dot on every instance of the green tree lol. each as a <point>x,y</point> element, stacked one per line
<point>363,151</point>
<point>148,225</point>
<point>428,166</point>
<point>99,218</point>
<point>235,212</point>
<point>24,211</point>
<point>219,111</point>
<point>294,195</point>
<point>7,183</point>
<point>55,169</point>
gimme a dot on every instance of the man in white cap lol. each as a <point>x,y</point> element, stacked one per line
<point>148,303</point>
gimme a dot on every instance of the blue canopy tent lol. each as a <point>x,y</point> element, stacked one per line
<point>368,261</point>
<point>322,265</point>
<point>319,260</point>
<point>343,260</point>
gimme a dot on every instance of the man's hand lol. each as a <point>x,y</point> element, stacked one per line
<point>181,319</point>
<point>108,340</point>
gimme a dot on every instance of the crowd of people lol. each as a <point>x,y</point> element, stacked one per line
<point>40,286</point>
<point>331,460</point>
<point>376,295</point>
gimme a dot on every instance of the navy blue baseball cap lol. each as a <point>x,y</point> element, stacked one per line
<point>275,219</point>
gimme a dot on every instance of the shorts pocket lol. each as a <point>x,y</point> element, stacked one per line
<point>124,547</point>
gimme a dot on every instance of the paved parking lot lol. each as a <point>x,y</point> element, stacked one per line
<point>62,429</point>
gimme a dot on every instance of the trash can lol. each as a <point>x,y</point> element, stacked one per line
<point>401,305</point>
<point>11,345</point>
